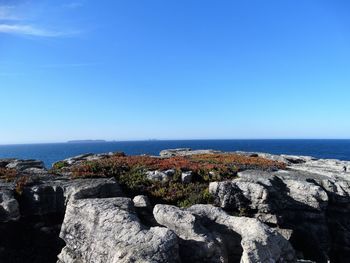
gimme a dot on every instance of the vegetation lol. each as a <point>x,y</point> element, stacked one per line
<point>60,165</point>
<point>8,174</point>
<point>130,172</point>
<point>11,175</point>
<point>21,182</point>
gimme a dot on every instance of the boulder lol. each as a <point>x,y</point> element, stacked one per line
<point>208,234</point>
<point>22,165</point>
<point>9,208</point>
<point>141,201</point>
<point>108,230</point>
<point>259,242</point>
<point>186,177</point>
<point>83,157</point>
<point>158,175</point>
<point>291,200</point>
<point>197,244</point>
<point>51,196</point>
<point>185,152</point>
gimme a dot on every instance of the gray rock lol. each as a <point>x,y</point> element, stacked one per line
<point>108,230</point>
<point>185,152</point>
<point>259,242</point>
<point>293,200</point>
<point>51,196</point>
<point>197,244</point>
<point>22,165</point>
<point>186,177</point>
<point>141,201</point>
<point>4,162</point>
<point>208,234</point>
<point>170,172</point>
<point>85,157</point>
<point>9,208</point>
<point>158,176</point>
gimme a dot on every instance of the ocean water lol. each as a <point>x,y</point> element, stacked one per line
<point>50,153</point>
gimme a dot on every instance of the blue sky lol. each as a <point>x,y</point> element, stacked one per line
<point>175,69</point>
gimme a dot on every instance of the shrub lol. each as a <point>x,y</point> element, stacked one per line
<point>21,183</point>
<point>60,165</point>
<point>8,174</point>
<point>130,172</point>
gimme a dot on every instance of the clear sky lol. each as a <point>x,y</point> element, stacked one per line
<point>174,69</point>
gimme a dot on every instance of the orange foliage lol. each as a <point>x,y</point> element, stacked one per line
<point>8,174</point>
<point>223,163</point>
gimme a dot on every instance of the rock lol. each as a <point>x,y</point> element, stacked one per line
<point>5,162</point>
<point>158,176</point>
<point>185,152</point>
<point>9,208</point>
<point>84,157</point>
<point>108,230</point>
<point>21,165</point>
<point>173,152</point>
<point>197,244</point>
<point>299,204</point>
<point>170,172</point>
<point>186,177</point>
<point>208,234</point>
<point>141,201</point>
<point>259,242</point>
<point>51,196</point>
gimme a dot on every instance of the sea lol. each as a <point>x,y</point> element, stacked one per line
<point>52,152</point>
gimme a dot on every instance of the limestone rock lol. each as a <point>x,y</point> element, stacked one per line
<point>141,201</point>
<point>185,152</point>
<point>22,165</point>
<point>84,157</point>
<point>208,234</point>
<point>186,177</point>
<point>259,242</point>
<point>108,231</point>
<point>197,244</point>
<point>290,200</point>
<point>51,196</point>
<point>158,175</point>
<point>9,208</point>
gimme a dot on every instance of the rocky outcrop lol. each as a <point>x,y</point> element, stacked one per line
<point>9,208</point>
<point>32,211</point>
<point>51,195</point>
<point>259,242</point>
<point>108,230</point>
<point>260,216</point>
<point>82,158</point>
<point>307,204</point>
<point>184,152</point>
<point>197,244</point>
<point>24,166</point>
<point>208,234</point>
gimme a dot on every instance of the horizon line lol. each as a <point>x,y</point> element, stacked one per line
<point>150,140</point>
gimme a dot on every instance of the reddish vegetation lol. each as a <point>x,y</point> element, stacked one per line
<point>221,163</point>
<point>8,174</point>
<point>130,173</point>
<point>21,183</point>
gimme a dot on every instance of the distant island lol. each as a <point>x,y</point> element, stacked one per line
<point>86,141</point>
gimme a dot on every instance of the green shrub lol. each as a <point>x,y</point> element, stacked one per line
<point>60,165</point>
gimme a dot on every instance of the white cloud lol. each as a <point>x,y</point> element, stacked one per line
<point>12,23</point>
<point>31,30</point>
